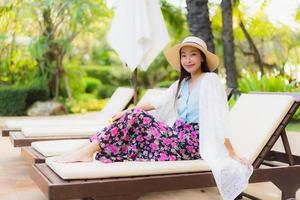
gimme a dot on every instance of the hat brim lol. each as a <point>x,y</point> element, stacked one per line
<point>173,56</point>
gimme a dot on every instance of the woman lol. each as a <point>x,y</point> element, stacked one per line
<point>193,109</point>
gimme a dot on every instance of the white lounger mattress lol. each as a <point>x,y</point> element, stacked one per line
<point>57,147</point>
<point>97,169</point>
<point>253,118</point>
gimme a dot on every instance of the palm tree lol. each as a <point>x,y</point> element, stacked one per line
<point>199,23</point>
<point>228,44</point>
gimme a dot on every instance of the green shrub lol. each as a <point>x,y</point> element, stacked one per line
<point>38,90</point>
<point>110,75</point>
<point>92,85</point>
<point>102,73</point>
<point>75,77</point>
<point>296,116</point>
<point>16,99</point>
<point>266,83</point>
<point>12,101</point>
<point>83,103</point>
<point>105,91</point>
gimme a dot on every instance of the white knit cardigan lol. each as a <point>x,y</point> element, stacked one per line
<point>230,175</point>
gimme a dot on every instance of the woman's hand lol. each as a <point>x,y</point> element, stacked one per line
<point>118,115</point>
<point>240,159</point>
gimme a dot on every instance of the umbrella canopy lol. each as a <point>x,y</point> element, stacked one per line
<point>138,33</point>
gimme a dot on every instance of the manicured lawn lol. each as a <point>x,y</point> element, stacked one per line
<point>294,126</point>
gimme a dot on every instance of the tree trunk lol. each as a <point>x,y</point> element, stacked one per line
<point>228,44</point>
<point>199,23</point>
<point>257,57</point>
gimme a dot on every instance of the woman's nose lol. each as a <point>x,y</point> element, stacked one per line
<point>188,59</point>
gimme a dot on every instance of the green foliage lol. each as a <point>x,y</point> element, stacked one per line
<point>107,78</point>
<point>174,18</point>
<point>92,85</point>
<point>75,76</point>
<point>60,23</point>
<point>12,101</point>
<point>293,126</point>
<point>15,100</point>
<point>296,116</point>
<point>110,75</point>
<point>105,91</point>
<point>84,102</point>
<point>37,91</point>
<point>102,73</point>
<point>267,83</point>
<point>164,84</point>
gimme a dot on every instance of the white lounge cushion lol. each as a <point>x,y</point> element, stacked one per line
<point>254,118</point>
<point>150,95</point>
<point>118,101</point>
<point>57,147</point>
<point>97,169</point>
<point>52,131</point>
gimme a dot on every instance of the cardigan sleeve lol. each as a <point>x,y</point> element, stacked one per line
<point>214,110</point>
<point>230,175</point>
<point>165,105</point>
<point>167,97</point>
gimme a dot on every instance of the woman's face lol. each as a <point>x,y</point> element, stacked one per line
<point>191,59</point>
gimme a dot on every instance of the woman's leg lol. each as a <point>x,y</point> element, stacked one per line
<point>83,154</point>
<point>135,136</point>
<point>109,135</point>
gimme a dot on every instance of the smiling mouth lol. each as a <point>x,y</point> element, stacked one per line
<point>189,66</point>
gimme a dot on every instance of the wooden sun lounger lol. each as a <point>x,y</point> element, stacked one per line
<point>286,178</point>
<point>33,156</point>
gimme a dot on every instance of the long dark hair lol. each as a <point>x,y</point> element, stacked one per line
<point>185,74</point>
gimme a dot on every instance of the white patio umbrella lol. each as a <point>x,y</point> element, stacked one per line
<point>138,34</point>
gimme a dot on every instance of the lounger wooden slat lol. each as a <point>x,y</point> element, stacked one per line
<point>5,131</point>
<point>286,178</point>
<point>32,156</point>
<point>282,157</point>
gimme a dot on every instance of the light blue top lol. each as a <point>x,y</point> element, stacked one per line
<point>188,102</point>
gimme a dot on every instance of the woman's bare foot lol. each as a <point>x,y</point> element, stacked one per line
<point>85,154</point>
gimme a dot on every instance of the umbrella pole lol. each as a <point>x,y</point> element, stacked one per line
<point>135,86</point>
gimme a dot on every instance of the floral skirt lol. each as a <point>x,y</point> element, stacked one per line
<point>138,136</point>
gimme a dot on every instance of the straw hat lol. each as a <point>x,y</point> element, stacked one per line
<point>173,54</point>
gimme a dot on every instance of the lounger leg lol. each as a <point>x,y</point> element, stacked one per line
<point>288,190</point>
<point>288,194</point>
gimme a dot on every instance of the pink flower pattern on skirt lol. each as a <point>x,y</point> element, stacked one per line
<point>138,136</point>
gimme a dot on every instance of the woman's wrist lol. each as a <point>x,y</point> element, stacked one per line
<point>232,154</point>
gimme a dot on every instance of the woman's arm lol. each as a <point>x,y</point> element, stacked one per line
<point>229,148</point>
<point>233,155</point>
<point>143,106</point>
